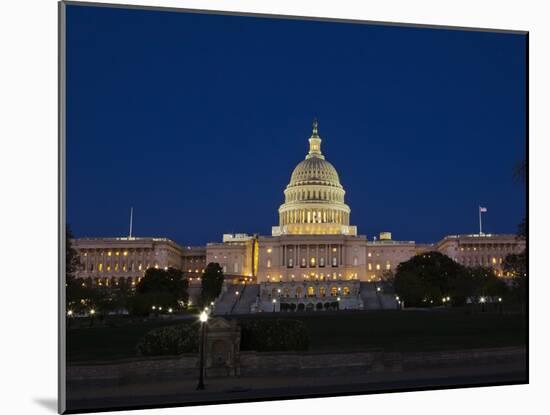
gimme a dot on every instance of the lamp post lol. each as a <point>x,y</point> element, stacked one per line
<point>274,301</point>
<point>69,315</point>
<point>203,318</point>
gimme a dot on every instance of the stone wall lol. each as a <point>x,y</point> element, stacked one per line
<point>288,363</point>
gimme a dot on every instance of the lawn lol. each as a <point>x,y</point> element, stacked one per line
<point>344,331</point>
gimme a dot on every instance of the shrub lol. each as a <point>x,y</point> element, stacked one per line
<point>272,335</point>
<point>171,340</point>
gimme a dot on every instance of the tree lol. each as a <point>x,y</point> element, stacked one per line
<point>159,288</point>
<point>486,283</point>
<point>72,259</point>
<point>73,287</point>
<point>515,265</point>
<point>211,283</point>
<point>427,278</point>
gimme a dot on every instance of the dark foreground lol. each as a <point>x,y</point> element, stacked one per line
<point>400,331</point>
<point>350,353</point>
<point>241,389</point>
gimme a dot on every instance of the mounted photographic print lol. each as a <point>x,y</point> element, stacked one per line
<point>260,207</point>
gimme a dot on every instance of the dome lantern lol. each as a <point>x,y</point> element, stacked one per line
<point>315,142</point>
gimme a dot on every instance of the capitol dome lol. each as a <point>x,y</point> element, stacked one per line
<point>315,170</point>
<point>314,198</point>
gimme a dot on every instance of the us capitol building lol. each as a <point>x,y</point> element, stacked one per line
<point>313,260</point>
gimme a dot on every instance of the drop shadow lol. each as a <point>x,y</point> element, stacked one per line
<point>48,403</point>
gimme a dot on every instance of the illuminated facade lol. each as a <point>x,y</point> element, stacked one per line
<point>107,260</point>
<point>312,259</point>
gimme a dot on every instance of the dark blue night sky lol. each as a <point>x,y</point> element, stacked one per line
<point>198,120</point>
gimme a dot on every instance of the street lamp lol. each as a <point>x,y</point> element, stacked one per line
<point>69,315</point>
<point>203,318</point>
<point>92,312</point>
<point>482,301</point>
<point>274,301</point>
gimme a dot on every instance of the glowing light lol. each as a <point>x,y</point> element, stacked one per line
<point>92,311</point>
<point>70,312</point>
<point>203,317</point>
<point>499,299</point>
<point>274,301</point>
<point>378,289</point>
<point>154,308</point>
<point>338,299</point>
<point>236,293</point>
<point>482,299</point>
<point>169,310</point>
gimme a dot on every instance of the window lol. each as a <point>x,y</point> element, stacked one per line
<point>290,262</point>
<point>370,266</point>
<point>310,292</point>
<point>269,262</point>
<point>322,261</point>
<point>355,261</point>
<point>303,263</point>
<point>346,291</point>
<point>312,262</point>
<point>378,266</point>
<point>388,265</point>
<point>334,261</point>
<point>298,292</point>
<point>224,269</point>
<point>333,291</point>
<point>235,267</point>
<point>322,292</point>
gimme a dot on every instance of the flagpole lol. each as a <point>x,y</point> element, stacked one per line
<point>131,218</point>
<point>480,232</point>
